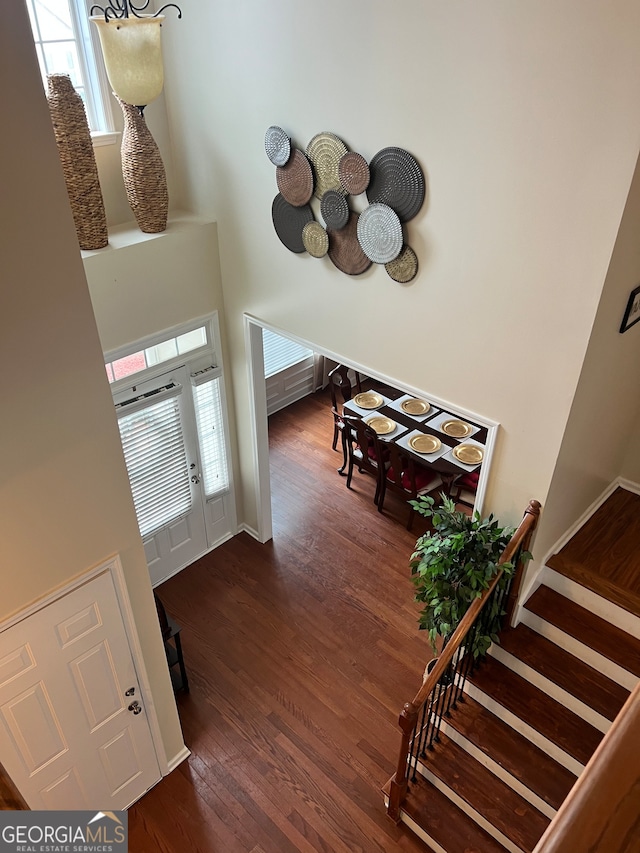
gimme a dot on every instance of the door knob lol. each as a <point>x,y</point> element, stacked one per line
<point>135,708</point>
<point>195,479</point>
<point>130,691</point>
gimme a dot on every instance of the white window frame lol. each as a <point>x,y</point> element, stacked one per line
<point>96,83</point>
<point>200,359</point>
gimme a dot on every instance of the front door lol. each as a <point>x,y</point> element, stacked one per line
<point>74,732</point>
<point>159,440</point>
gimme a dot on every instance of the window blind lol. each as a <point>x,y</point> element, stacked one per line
<point>156,460</point>
<point>280,353</point>
<point>213,454</point>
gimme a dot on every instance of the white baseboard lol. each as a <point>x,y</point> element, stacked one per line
<point>177,759</point>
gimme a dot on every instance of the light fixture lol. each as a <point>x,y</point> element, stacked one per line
<point>132,53</point>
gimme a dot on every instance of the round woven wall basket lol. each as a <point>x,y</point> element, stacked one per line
<point>295,180</point>
<point>289,222</point>
<point>325,151</point>
<point>380,233</point>
<point>315,239</point>
<point>404,268</point>
<point>345,251</point>
<point>353,171</point>
<point>397,180</point>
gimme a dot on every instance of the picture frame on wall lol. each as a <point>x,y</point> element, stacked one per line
<point>632,311</point>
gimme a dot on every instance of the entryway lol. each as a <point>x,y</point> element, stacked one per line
<point>76,731</point>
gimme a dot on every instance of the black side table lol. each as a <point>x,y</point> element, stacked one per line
<point>173,648</point>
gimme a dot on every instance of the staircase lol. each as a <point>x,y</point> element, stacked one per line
<point>533,713</point>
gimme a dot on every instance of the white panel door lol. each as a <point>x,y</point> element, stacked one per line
<point>73,730</point>
<point>179,536</point>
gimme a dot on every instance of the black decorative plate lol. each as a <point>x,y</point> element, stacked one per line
<point>277,145</point>
<point>397,180</point>
<point>289,222</point>
<point>334,209</point>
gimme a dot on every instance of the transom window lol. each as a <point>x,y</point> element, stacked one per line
<point>156,354</point>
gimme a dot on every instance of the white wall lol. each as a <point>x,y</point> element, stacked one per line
<point>601,441</point>
<point>524,118</point>
<point>65,501</point>
<point>144,283</point>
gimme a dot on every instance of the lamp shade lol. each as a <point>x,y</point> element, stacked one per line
<point>133,57</point>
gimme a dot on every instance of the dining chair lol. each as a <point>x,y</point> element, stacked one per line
<point>364,452</point>
<point>341,389</point>
<point>465,487</point>
<point>408,478</point>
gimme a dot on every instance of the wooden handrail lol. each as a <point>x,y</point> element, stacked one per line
<point>410,712</point>
<point>600,814</point>
<point>521,537</point>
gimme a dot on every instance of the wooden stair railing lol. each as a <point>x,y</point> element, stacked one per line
<point>419,720</point>
<point>600,814</point>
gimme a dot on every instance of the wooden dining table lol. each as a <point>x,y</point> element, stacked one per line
<point>431,422</point>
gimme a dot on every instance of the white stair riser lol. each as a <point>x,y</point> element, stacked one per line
<point>419,831</point>
<point>550,688</point>
<point>607,610</point>
<point>523,728</point>
<point>462,804</point>
<point>585,653</point>
<point>497,770</point>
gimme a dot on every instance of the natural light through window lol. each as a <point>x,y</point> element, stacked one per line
<point>65,45</point>
<point>157,354</point>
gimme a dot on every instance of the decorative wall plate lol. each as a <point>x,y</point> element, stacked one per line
<point>380,233</point>
<point>334,209</point>
<point>295,180</point>
<point>325,151</point>
<point>277,145</point>
<point>289,222</point>
<point>397,180</point>
<point>404,268</point>
<point>315,239</point>
<point>353,171</point>
<point>345,251</point>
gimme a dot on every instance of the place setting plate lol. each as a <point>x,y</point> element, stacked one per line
<point>368,400</point>
<point>415,406</point>
<point>453,425</point>
<point>468,454</point>
<point>381,425</point>
<point>456,428</point>
<point>424,443</point>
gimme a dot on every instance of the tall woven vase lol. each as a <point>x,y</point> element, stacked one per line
<point>75,149</point>
<point>143,172</point>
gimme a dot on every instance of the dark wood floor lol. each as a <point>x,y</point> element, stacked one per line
<point>300,654</point>
<point>604,554</point>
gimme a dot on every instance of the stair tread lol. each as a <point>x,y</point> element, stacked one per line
<point>591,630</point>
<point>562,668</point>
<point>444,822</point>
<point>488,795</point>
<point>551,719</point>
<point>525,761</point>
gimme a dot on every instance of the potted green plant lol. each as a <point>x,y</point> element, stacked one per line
<point>452,564</point>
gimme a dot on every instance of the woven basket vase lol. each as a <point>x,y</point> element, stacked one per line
<point>75,149</point>
<point>143,171</point>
